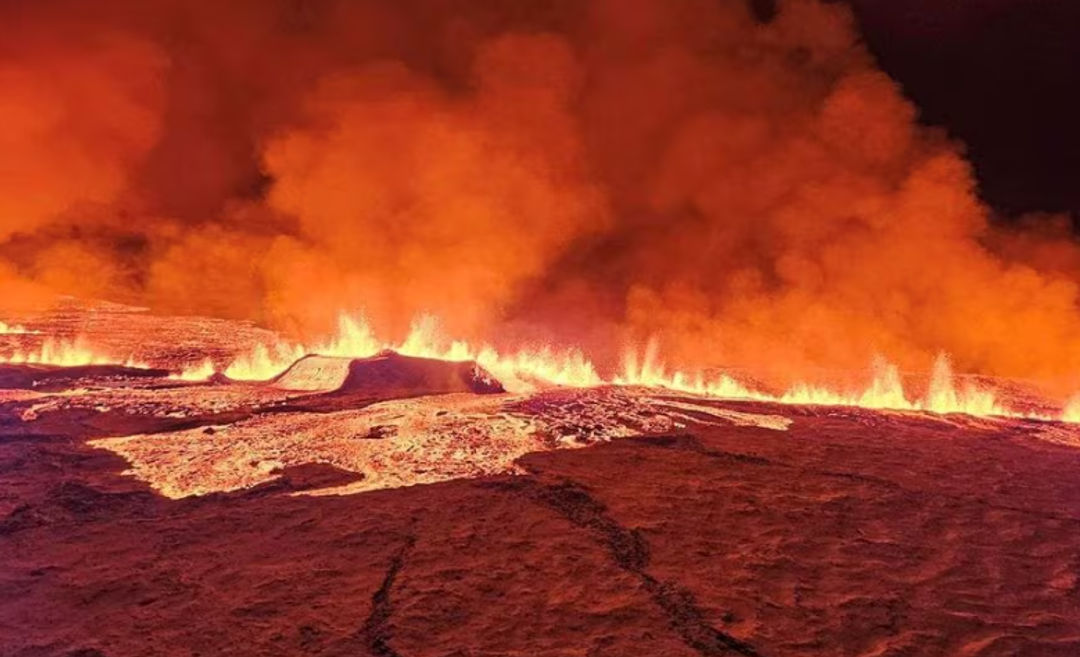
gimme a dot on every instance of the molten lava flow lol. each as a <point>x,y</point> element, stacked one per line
<point>647,370</point>
<point>260,364</point>
<point>14,329</point>
<point>355,339</point>
<point>527,369</point>
<point>66,353</point>
<point>885,391</point>
<point>519,369</point>
<point>199,372</point>
<point>1071,412</point>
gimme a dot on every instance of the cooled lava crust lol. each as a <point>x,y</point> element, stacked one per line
<point>417,510</point>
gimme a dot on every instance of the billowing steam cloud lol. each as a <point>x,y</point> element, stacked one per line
<point>754,193</point>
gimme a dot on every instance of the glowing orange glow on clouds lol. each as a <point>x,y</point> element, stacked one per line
<point>755,193</point>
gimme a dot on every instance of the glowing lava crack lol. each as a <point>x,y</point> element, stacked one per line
<point>318,365</point>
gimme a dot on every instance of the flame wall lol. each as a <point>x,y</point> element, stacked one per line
<point>755,193</point>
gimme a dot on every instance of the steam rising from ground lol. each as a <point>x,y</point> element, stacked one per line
<point>753,194</point>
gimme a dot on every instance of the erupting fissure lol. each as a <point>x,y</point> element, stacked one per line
<point>527,369</point>
<point>62,352</point>
<point>15,329</point>
<point>356,339</point>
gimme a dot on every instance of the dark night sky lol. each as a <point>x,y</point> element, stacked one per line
<point>1000,75</point>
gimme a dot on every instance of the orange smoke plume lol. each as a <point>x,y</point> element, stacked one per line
<point>751,193</point>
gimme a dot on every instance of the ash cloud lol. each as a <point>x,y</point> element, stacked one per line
<point>741,183</point>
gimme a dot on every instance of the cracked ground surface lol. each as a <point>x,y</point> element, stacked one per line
<point>832,532</point>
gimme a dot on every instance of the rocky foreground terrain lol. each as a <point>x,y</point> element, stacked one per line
<point>397,506</point>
